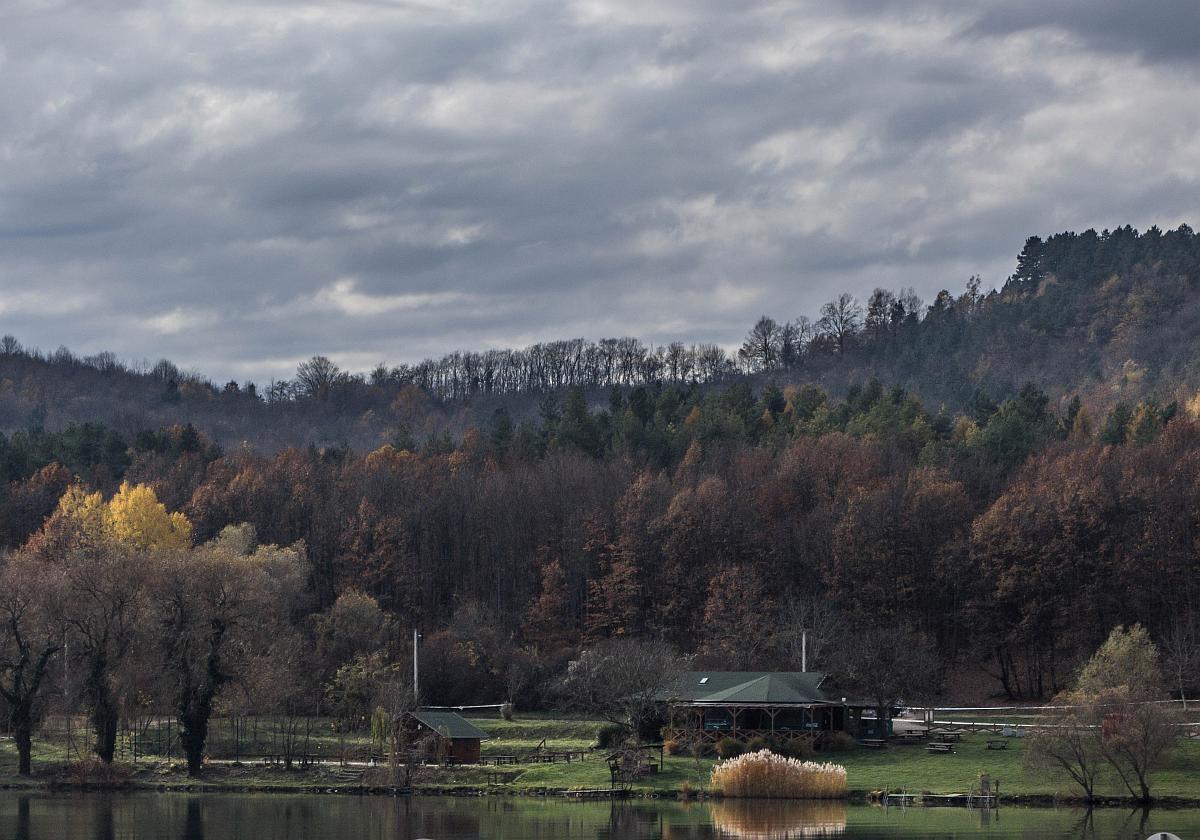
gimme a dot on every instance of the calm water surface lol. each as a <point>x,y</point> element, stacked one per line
<point>279,817</point>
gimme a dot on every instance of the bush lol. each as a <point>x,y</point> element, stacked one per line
<point>799,748</point>
<point>730,748</point>
<point>673,747</point>
<point>759,743</point>
<point>838,742</point>
<point>764,774</point>
<point>506,711</point>
<point>611,735</point>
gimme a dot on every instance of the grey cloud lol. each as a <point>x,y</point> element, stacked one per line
<point>1165,30</point>
<point>492,173</point>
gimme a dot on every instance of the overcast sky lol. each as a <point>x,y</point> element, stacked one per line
<point>240,185</point>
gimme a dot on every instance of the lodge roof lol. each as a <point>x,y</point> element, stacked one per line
<point>775,688</point>
<point>449,724</point>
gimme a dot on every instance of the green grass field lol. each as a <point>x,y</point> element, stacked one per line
<point>898,767</point>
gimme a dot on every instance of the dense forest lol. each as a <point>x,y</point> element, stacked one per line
<point>882,467</point>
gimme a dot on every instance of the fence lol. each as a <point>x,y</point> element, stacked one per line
<point>274,739</point>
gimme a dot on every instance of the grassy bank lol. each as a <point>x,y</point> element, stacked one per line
<point>895,768</point>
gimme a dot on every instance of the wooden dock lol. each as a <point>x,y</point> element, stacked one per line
<point>597,793</point>
<point>943,800</point>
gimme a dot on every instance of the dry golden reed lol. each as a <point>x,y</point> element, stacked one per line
<point>764,774</point>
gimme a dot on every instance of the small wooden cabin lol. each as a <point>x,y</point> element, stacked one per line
<point>448,736</point>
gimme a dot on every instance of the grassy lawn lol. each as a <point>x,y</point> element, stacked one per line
<point>524,735</point>
<point>912,767</point>
<point>894,768</point>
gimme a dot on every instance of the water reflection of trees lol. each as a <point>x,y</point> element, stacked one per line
<point>105,826</point>
<point>756,820</point>
<point>625,821</point>
<point>193,824</point>
<point>23,819</point>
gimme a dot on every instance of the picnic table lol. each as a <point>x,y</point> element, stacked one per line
<point>875,743</point>
<point>939,747</point>
<point>997,744</point>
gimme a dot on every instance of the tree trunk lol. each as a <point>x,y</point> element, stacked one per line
<point>1144,784</point>
<point>105,715</point>
<point>193,733</point>
<point>22,721</point>
<point>105,719</point>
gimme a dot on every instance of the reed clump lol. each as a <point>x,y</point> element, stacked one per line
<point>764,774</point>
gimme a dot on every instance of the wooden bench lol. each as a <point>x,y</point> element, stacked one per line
<point>997,744</point>
<point>938,747</point>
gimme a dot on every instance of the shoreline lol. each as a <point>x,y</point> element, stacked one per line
<point>854,797</point>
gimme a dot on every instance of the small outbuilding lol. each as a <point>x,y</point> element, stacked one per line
<point>447,737</point>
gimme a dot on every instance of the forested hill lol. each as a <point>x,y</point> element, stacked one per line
<point>1109,316</point>
<point>1004,526</point>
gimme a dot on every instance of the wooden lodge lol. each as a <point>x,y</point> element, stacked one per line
<point>445,737</point>
<point>707,706</point>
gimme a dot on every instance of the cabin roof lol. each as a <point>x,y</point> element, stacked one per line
<point>782,688</point>
<point>449,724</point>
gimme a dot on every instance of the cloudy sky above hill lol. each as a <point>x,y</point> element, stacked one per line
<point>239,185</point>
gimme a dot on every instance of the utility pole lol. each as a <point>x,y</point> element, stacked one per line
<point>803,650</point>
<point>416,673</point>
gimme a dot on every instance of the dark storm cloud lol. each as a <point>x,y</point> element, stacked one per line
<point>239,185</point>
<point>1163,30</point>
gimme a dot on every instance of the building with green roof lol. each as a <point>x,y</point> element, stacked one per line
<point>782,705</point>
<point>446,736</point>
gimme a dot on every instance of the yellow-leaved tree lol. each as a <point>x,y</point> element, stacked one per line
<point>136,518</point>
<point>81,512</point>
<point>107,553</point>
<point>133,518</point>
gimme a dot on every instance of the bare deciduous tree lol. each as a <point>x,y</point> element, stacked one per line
<point>623,680</point>
<point>807,633</point>
<point>1134,737</point>
<point>219,612</point>
<point>1065,740</point>
<point>841,320</point>
<point>1180,646</point>
<point>317,377</point>
<point>760,350</point>
<point>890,665</point>
<point>29,638</point>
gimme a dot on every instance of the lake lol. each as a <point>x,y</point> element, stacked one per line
<point>174,816</point>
